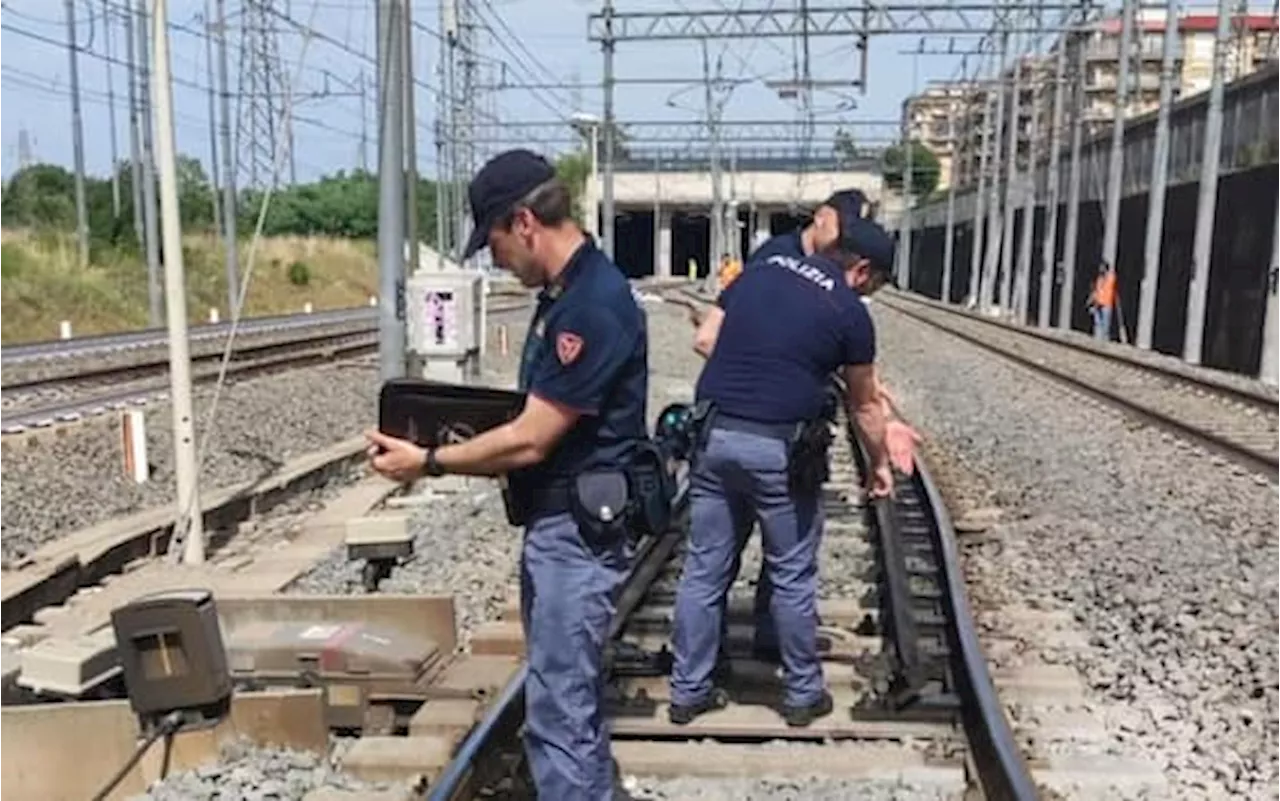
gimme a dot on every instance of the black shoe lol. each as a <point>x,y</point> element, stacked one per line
<point>801,716</point>
<point>683,715</point>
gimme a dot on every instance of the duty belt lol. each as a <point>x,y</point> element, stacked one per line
<point>782,431</point>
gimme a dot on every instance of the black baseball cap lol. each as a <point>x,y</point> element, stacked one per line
<point>850,205</point>
<point>500,183</point>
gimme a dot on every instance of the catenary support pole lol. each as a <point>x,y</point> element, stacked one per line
<point>1207,200</point>
<point>410,141</point>
<point>230,233</point>
<point>1010,189</point>
<point>1070,235</point>
<point>994,232</point>
<point>135,148</point>
<point>391,195</point>
<point>610,124</point>
<point>150,215</point>
<point>1022,279</point>
<point>1115,166</point>
<point>1159,182</point>
<point>980,202</point>
<point>1049,244</point>
<point>949,232</point>
<point>77,138</point>
<point>111,112</point>
<point>215,180</point>
<point>186,471</point>
<point>1269,369</point>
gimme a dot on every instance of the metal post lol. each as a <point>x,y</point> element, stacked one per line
<point>717,199</point>
<point>1207,201</point>
<point>1066,297</point>
<point>1159,181</point>
<point>980,202</point>
<point>155,302</point>
<point>135,149</point>
<point>214,178</point>
<point>410,143</point>
<point>1270,367</point>
<point>364,129</point>
<point>1022,281</point>
<point>230,233</point>
<point>1049,246</point>
<point>77,138</point>
<point>994,232</point>
<point>391,196</point>
<point>111,113</point>
<point>908,193</point>
<point>609,129</point>
<point>1115,167</point>
<point>657,211</point>
<point>949,232</point>
<point>1010,197</point>
<point>186,470</point>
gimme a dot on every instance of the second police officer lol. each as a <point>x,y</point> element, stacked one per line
<point>784,326</point>
<point>585,372</point>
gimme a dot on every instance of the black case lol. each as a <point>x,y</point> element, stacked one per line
<point>431,413</point>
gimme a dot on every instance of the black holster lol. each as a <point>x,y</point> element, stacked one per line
<point>517,515</point>
<point>807,465</point>
<point>701,420</point>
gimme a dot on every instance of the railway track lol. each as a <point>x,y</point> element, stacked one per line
<point>1239,423</point>
<point>42,402</point>
<point>907,674</point>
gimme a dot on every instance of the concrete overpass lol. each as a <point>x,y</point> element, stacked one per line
<point>663,202</point>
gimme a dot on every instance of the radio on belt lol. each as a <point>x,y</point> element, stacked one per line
<point>171,650</point>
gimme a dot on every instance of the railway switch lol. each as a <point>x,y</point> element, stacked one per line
<point>170,648</point>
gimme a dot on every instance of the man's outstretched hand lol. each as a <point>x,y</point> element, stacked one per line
<point>396,459</point>
<point>901,441</point>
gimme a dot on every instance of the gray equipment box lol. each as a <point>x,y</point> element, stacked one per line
<point>366,671</point>
<point>171,650</point>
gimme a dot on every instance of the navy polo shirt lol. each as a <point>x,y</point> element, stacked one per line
<point>587,350</point>
<point>788,324</point>
<point>780,245</point>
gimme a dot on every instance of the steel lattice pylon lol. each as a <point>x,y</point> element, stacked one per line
<point>263,86</point>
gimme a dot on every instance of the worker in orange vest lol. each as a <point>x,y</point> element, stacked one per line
<point>1102,301</point>
<point>730,269</point>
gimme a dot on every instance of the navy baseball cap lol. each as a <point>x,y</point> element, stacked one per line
<point>498,186</point>
<point>867,239</point>
<point>850,205</point>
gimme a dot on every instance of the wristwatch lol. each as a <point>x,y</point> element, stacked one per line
<point>432,467</point>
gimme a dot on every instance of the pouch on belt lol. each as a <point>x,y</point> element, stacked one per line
<point>600,501</point>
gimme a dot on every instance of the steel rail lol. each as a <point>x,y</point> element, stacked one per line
<point>1259,461</point>
<point>1257,397</point>
<point>651,555</point>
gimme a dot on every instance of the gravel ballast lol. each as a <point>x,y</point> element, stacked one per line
<point>1165,554</point>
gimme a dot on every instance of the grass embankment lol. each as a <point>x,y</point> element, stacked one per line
<point>42,284</point>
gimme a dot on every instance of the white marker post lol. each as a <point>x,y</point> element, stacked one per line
<point>133,441</point>
<point>64,329</point>
<point>213,314</point>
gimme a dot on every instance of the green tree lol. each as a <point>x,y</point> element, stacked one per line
<point>845,148</point>
<point>925,169</point>
<point>40,196</point>
<point>574,169</point>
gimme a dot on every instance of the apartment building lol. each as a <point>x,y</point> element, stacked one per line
<point>928,115</point>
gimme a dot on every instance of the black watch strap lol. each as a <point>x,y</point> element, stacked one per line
<point>432,467</point>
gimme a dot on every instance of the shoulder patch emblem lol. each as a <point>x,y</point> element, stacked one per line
<point>568,348</point>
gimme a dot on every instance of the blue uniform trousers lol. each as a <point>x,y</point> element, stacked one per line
<point>739,476</point>
<point>766,636</point>
<point>567,594</point>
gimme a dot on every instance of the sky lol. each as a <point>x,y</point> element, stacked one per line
<point>527,41</point>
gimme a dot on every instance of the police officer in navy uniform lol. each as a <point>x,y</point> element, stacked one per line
<point>585,372</point>
<point>786,324</point>
<point>837,215</point>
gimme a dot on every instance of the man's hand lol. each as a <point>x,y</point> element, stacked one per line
<point>396,459</point>
<point>901,440</point>
<point>881,481</point>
